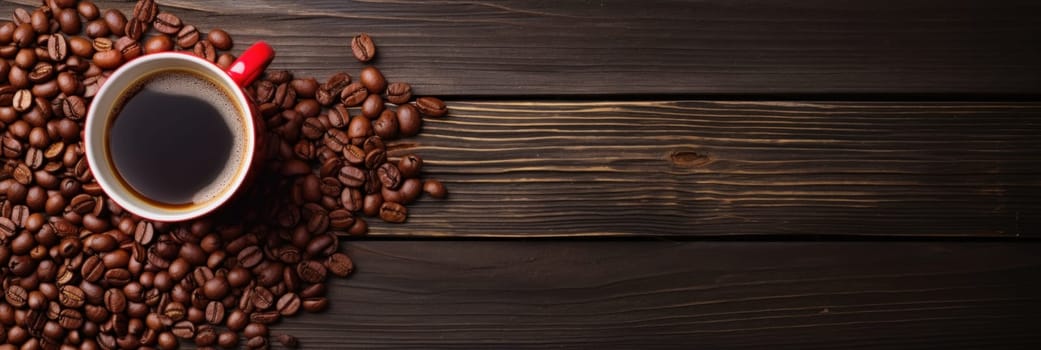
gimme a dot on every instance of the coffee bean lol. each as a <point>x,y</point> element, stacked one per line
<point>225,60</point>
<point>372,106</point>
<point>8,228</point>
<point>119,258</point>
<point>115,300</point>
<point>393,212</point>
<point>145,10</point>
<point>220,39</point>
<point>363,48</point>
<point>375,158</point>
<point>175,311</point>
<point>305,88</point>
<point>389,176</point>
<point>23,174</point>
<point>262,298</point>
<point>373,80</point>
<point>109,59</point>
<point>187,37</point>
<point>351,176</point>
<point>69,20</point>
<point>40,74</point>
<point>371,204</point>
<point>228,339</point>
<point>322,245</point>
<point>21,16</point>
<point>23,100</point>
<point>23,37</point>
<point>341,219</point>
<point>70,319</point>
<point>325,97</point>
<point>250,257</point>
<point>100,243</point>
<point>205,50</point>
<point>74,107</point>
<point>409,120</point>
<point>135,28</point>
<point>158,43</point>
<point>386,126</point>
<point>288,341</point>
<point>216,288</point>
<point>288,304</point>
<point>435,189</point>
<point>118,277</point>
<point>354,94</point>
<point>93,269</point>
<point>129,48</point>
<point>399,93</point>
<point>339,264</point>
<point>69,85</point>
<point>144,232</point>
<point>410,165</point>
<point>115,20</point>
<point>183,330</point>
<point>312,129</point>
<point>431,106</point>
<point>410,190</point>
<point>315,304</point>
<point>279,76</point>
<point>57,47</point>
<point>88,10</point>
<point>215,312</point>
<point>16,296</point>
<point>359,128</point>
<point>256,343</point>
<point>166,340</point>
<point>167,23</point>
<point>70,296</point>
<point>311,271</point>
<point>97,29</point>
<point>264,317</point>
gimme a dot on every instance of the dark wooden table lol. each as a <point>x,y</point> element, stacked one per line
<point>691,174</point>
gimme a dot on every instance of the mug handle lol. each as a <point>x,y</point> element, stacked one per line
<point>251,63</point>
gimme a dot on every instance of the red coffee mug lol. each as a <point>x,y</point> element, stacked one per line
<point>99,119</point>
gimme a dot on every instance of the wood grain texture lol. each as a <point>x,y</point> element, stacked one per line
<point>626,295</point>
<point>649,47</point>
<point>729,168</point>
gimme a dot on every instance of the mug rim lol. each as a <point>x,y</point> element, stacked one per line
<point>94,148</point>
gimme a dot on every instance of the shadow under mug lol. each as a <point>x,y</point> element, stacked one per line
<point>232,81</point>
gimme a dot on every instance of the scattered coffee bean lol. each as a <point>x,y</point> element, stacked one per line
<point>187,37</point>
<point>409,121</point>
<point>431,106</point>
<point>435,189</point>
<point>220,39</point>
<point>363,47</point>
<point>399,93</point>
<point>353,94</point>
<point>373,80</point>
<point>393,212</point>
<point>168,23</point>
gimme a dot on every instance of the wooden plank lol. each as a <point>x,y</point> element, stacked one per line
<point>724,168</point>
<point>625,295</point>
<point>648,47</point>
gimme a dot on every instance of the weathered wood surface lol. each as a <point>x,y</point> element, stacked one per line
<point>722,168</point>
<point>643,295</point>
<point>577,47</point>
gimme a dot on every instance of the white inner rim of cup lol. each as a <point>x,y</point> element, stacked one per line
<point>101,111</point>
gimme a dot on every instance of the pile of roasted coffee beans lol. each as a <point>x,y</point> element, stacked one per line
<point>80,272</point>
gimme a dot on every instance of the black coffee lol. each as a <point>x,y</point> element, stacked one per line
<point>176,138</point>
